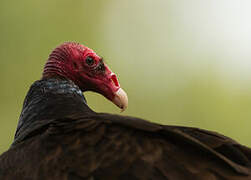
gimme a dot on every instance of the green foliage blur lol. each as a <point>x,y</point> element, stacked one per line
<point>181,63</point>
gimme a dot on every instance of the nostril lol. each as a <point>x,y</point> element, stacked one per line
<point>115,80</point>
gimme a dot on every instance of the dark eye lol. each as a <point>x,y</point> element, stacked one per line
<point>89,61</point>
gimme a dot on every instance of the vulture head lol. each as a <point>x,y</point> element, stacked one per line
<point>87,70</point>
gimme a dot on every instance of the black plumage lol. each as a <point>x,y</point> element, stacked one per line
<point>60,137</point>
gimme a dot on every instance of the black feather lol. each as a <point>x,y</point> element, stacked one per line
<point>60,137</point>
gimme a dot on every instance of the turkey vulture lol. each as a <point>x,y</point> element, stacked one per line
<point>59,137</point>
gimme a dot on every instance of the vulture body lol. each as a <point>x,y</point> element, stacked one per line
<point>60,138</point>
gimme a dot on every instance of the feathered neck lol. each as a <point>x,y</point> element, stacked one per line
<point>48,100</point>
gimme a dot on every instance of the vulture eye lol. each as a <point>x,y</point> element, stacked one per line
<point>89,61</point>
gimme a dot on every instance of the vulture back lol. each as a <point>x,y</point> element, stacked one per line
<point>60,137</point>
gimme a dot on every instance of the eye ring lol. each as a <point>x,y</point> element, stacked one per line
<point>89,61</point>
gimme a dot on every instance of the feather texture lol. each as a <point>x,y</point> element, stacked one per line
<point>60,137</point>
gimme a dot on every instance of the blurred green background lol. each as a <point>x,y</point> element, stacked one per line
<point>181,62</point>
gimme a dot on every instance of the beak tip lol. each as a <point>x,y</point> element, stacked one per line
<point>122,109</point>
<point>121,99</point>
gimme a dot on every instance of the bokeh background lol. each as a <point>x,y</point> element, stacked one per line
<point>181,62</point>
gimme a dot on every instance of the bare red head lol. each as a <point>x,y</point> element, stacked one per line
<point>86,69</point>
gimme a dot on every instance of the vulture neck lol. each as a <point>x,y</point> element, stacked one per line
<point>49,100</point>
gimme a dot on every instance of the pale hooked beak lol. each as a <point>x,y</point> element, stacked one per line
<point>121,99</point>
